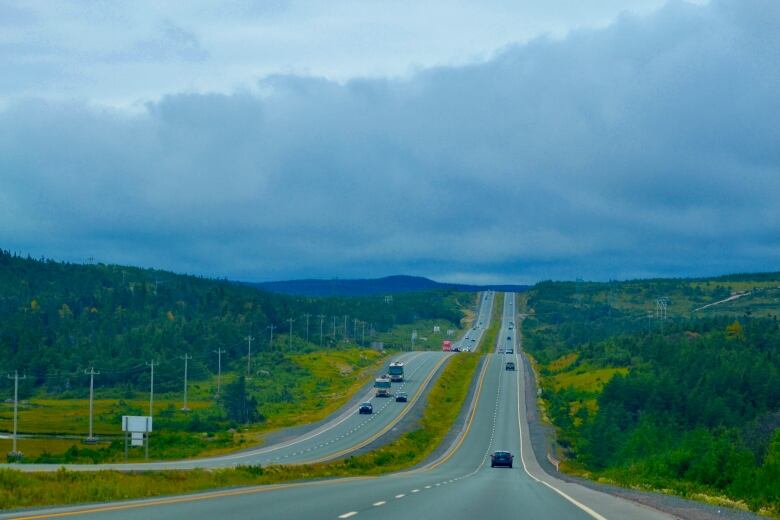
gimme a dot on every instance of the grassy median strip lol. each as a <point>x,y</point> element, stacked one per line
<point>446,398</point>
<point>489,340</point>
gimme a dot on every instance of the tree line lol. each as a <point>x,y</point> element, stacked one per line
<point>56,319</point>
<point>699,409</point>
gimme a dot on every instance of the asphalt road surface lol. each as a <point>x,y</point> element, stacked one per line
<point>342,433</point>
<point>460,485</point>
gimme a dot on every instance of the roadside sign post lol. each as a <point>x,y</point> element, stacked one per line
<point>137,428</point>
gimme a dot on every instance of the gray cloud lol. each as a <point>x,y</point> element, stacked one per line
<point>649,147</point>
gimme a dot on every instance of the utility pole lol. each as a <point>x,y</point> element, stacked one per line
<point>334,328</point>
<point>15,454</point>
<point>354,329</point>
<point>186,358</point>
<point>151,386</point>
<point>364,333</point>
<point>219,353</point>
<point>271,345</point>
<point>92,375</point>
<point>291,322</point>
<point>249,340</point>
<point>307,316</point>
<point>346,336</point>
<point>322,320</point>
<point>151,400</point>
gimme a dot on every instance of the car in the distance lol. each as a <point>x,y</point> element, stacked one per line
<point>401,397</point>
<point>510,365</point>
<point>366,408</point>
<point>501,458</point>
<point>510,350</point>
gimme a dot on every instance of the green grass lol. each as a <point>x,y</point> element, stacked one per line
<point>71,416</point>
<point>336,376</point>
<point>490,338</point>
<point>445,401</point>
<point>400,336</point>
<point>324,381</point>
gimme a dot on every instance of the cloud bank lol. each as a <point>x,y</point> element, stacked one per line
<point>649,147</point>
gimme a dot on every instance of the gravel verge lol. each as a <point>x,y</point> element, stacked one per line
<point>543,436</point>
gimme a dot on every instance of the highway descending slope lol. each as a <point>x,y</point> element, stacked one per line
<point>345,431</point>
<point>460,485</point>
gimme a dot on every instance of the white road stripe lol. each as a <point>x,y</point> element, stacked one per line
<point>400,496</point>
<point>380,503</point>
<point>347,515</point>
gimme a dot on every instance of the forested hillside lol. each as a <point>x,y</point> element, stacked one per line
<point>690,402</point>
<point>57,319</point>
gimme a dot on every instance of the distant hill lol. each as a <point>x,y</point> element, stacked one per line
<point>363,287</point>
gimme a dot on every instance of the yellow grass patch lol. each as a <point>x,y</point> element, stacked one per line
<point>562,362</point>
<point>71,416</point>
<point>588,380</point>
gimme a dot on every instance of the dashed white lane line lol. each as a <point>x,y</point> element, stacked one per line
<point>400,496</point>
<point>347,515</point>
<point>427,487</point>
<point>380,503</point>
<point>415,491</point>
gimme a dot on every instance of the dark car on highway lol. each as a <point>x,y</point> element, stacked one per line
<point>510,365</point>
<point>366,408</point>
<point>401,397</point>
<point>501,458</point>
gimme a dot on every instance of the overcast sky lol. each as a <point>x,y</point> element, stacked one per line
<point>479,142</point>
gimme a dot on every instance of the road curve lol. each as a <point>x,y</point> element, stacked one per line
<point>344,432</point>
<point>461,485</point>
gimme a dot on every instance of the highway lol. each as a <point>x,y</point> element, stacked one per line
<point>344,432</point>
<point>459,485</point>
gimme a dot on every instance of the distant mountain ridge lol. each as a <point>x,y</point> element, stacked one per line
<point>369,286</point>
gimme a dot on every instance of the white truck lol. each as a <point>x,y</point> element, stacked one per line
<point>396,372</point>
<point>382,386</point>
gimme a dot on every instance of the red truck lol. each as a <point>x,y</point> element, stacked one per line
<point>446,345</point>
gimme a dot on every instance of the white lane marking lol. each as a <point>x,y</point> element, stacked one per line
<point>427,487</point>
<point>400,496</point>
<point>324,428</point>
<point>582,506</point>
<point>415,491</point>
<point>347,515</point>
<point>380,503</point>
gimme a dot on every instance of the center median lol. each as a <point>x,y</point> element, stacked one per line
<point>21,489</point>
<point>446,398</point>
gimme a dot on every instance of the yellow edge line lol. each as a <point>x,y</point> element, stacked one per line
<point>242,491</point>
<point>447,456</point>
<point>390,425</point>
<point>187,498</point>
